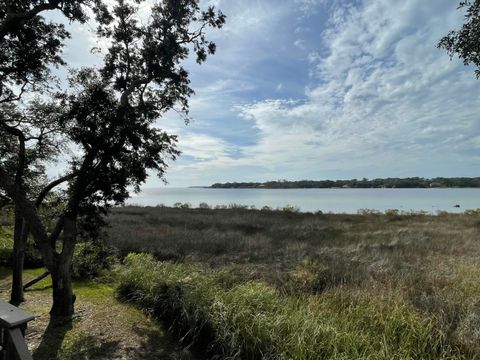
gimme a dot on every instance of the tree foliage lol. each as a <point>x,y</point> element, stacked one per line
<point>465,42</point>
<point>30,45</point>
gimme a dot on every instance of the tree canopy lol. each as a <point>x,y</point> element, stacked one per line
<point>30,45</point>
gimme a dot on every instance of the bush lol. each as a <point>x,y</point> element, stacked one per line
<point>368,212</point>
<point>290,209</point>
<point>238,206</point>
<point>472,211</point>
<point>6,245</point>
<point>179,205</point>
<point>90,259</point>
<point>392,212</point>
<point>204,205</point>
<point>33,258</point>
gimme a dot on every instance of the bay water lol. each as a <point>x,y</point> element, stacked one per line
<point>325,200</point>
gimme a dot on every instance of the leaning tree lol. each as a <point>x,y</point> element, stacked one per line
<point>110,115</point>
<point>31,138</point>
<point>29,47</point>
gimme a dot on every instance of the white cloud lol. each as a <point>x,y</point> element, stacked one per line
<point>309,7</point>
<point>300,43</point>
<point>204,147</point>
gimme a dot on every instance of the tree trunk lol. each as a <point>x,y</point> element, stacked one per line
<point>19,243</point>
<point>63,297</point>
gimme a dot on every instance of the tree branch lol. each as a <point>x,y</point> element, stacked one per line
<point>11,96</point>
<point>12,21</point>
<point>50,186</point>
<point>21,152</point>
<point>135,84</point>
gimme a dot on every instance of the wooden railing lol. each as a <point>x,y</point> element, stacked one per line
<point>13,323</point>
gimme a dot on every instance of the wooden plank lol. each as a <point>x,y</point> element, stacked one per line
<point>19,344</point>
<point>11,316</point>
<point>36,280</point>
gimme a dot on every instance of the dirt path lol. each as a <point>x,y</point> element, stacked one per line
<point>103,328</point>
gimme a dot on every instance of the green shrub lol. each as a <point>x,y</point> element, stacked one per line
<point>90,258</point>
<point>368,212</point>
<point>472,211</point>
<point>33,258</point>
<point>237,319</point>
<point>180,205</point>
<point>6,244</point>
<point>392,212</point>
<point>238,206</point>
<point>290,208</point>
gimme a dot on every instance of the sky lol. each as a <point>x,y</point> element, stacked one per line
<point>323,89</point>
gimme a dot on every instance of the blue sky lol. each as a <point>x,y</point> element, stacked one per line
<point>317,89</point>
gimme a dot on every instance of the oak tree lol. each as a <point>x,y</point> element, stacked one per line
<point>110,115</point>
<point>29,47</point>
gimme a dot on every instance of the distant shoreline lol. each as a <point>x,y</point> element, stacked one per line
<point>388,183</point>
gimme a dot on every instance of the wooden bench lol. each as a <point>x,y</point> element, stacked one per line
<point>13,323</point>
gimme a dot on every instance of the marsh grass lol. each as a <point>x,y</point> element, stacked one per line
<point>241,319</point>
<point>379,268</point>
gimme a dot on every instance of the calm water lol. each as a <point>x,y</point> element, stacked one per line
<point>326,200</point>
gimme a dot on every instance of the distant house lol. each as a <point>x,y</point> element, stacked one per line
<point>435,185</point>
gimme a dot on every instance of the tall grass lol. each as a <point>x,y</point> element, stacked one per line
<point>251,320</point>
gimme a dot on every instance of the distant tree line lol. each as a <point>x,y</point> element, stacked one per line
<point>412,182</point>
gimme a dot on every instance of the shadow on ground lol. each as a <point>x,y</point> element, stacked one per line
<point>52,340</point>
<point>84,346</point>
<point>160,347</point>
